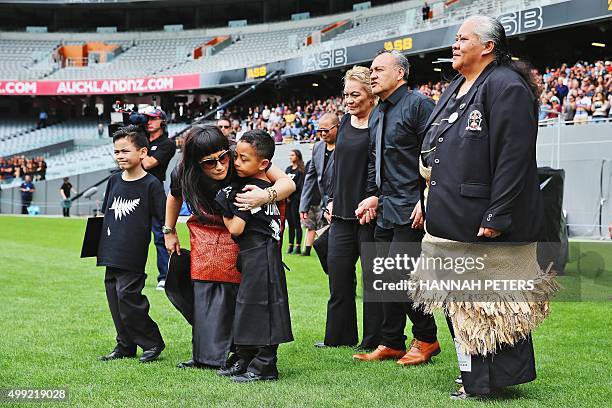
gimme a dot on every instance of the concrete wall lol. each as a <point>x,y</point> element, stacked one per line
<point>585,153</point>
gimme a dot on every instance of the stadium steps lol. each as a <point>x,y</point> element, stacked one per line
<point>36,139</point>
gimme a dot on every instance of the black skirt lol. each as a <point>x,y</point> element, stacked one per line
<point>262,306</point>
<point>213,315</point>
<point>511,365</point>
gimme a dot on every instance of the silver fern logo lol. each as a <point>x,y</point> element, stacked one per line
<point>123,207</point>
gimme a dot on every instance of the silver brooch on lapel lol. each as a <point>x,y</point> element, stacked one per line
<point>474,121</point>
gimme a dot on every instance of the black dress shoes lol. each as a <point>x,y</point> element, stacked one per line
<point>115,355</point>
<point>250,377</point>
<point>238,368</point>
<point>152,353</point>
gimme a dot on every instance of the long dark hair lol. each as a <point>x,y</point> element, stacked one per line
<point>199,190</point>
<point>300,162</point>
<point>490,29</point>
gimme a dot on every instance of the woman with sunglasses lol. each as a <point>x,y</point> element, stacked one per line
<point>205,168</point>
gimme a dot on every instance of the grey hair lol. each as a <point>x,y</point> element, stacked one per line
<point>400,60</point>
<point>489,29</point>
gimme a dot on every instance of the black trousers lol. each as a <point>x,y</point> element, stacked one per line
<point>293,219</point>
<point>261,360</point>
<point>66,212</point>
<point>394,321</point>
<point>24,206</point>
<point>130,311</point>
<point>345,239</point>
<point>510,365</point>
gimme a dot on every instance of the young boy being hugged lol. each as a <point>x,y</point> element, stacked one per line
<point>133,197</point>
<point>261,320</point>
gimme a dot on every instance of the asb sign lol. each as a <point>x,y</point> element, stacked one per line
<point>101,87</point>
<point>401,44</point>
<point>325,60</point>
<point>522,21</point>
<point>256,72</point>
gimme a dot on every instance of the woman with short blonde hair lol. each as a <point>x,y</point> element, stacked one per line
<point>345,233</point>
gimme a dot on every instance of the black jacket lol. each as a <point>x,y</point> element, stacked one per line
<point>318,177</point>
<point>405,119</point>
<point>484,170</point>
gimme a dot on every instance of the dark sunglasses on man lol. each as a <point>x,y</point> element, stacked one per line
<point>211,163</point>
<point>223,126</point>
<point>324,130</point>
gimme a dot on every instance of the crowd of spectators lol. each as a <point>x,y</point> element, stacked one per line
<point>297,120</point>
<point>18,167</point>
<point>580,93</point>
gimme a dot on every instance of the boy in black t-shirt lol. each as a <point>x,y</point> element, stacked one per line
<point>261,320</point>
<point>133,199</point>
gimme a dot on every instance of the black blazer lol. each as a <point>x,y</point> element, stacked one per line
<point>484,170</point>
<point>318,177</point>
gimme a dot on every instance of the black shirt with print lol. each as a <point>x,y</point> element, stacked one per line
<point>129,207</point>
<point>262,221</point>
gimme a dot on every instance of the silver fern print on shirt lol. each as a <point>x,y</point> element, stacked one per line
<point>123,207</point>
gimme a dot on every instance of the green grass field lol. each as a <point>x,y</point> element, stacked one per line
<point>55,323</point>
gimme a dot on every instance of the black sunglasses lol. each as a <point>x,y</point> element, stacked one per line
<point>211,163</point>
<point>323,130</point>
<point>223,127</point>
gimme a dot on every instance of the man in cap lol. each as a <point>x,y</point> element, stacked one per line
<point>161,151</point>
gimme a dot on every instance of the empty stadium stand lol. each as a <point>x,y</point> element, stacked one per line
<point>250,49</point>
<point>50,135</point>
<point>26,59</point>
<point>142,58</point>
<point>164,53</point>
<point>12,128</point>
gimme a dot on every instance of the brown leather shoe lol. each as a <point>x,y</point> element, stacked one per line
<point>381,353</point>
<point>420,352</point>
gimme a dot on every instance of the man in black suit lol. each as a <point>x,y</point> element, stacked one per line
<point>399,126</point>
<point>320,176</point>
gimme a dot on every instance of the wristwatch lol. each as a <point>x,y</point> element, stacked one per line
<point>167,230</point>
